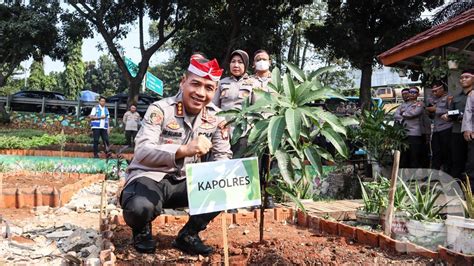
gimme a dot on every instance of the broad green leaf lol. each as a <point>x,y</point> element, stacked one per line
<point>272,190</point>
<point>348,121</point>
<point>298,73</point>
<point>285,102</point>
<point>324,153</point>
<point>288,87</point>
<point>276,79</point>
<point>302,90</point>
<point>236,134</point>
<point>314,158</point>
<point>336,140</point>
<point>258,130</point>
<point>284,164</point>
<point>293,123</point>
<point>292,196</point>
<point>319,114</point>
<point>275,132</point>
<point>320,71</point>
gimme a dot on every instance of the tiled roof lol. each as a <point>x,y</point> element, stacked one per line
<point>465,19</point>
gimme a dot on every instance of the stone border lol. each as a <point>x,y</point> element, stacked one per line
<point>320,225</point>
<point>46,196</point>
<point>54,153</point>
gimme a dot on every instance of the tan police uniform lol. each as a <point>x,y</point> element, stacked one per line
<point>165,128</point>
<point>232,92</point>
<point>468,125</point>
<point>260,83</point>
<point>410,115</point>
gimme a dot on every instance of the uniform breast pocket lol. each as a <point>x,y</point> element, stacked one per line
<point>244,92</point>
<point>225,91</point>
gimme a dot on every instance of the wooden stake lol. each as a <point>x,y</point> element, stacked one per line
<point>102,198</point>
<point>391,193</point>
<point>224,236</point>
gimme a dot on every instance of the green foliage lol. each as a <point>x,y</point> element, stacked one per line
<point>435,67</point>
<point>26,30</point>
<point>422,200</point>
<point>378,135</point>
<point>22,133</point>
<point>358,31</point>
<point>14,142</point>
<point>104,77</point>
<point>37,79</point>
<point>248,25</point>
<point>374,194</point>
<point>75,69</point>
<point>284,123</point>
<point>468,205</point>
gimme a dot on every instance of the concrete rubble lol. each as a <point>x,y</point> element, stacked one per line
<point>55,236</point>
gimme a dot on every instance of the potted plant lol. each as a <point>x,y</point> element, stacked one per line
<point>374,197</point>
<point>402,72</point>
<point>424,224</point>
<point>455,59</point>
<point>461,229</point>
<point>435,67</point>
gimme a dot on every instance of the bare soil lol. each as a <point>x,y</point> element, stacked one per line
<point>284,244</point>
<point>40,179</point>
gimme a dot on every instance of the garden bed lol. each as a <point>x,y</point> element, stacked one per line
<point>57,153</point>
<point>29,189</point>
<point>284,243</point>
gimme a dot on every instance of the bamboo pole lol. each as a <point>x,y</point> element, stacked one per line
<point>224,237</point>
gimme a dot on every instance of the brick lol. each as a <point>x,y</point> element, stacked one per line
<point>244,217</point>
<point>329,227</point>
<point>283,214</point>
<point>302,218</point>
<point>367,237</point>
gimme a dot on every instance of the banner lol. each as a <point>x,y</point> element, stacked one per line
<point>222,185</point>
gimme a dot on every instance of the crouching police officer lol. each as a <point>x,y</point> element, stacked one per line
<point>176,131</point>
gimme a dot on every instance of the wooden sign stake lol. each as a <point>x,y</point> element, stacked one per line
<point>391,193</point>
<point>224,236</point>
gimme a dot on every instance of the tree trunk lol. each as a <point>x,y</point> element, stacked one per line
<point>234,34</point>
<point>134,91</point>
<point>303,58</point>
<point>365,86</point>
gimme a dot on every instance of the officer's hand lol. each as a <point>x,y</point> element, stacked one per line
<point>431,109</point>
<point>199,146</point>
<point>468,135</point>
<point>103,116</point>
<point>445,117</point>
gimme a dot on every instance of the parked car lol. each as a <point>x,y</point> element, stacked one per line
<point>36,107</point>
<point>122,98</point>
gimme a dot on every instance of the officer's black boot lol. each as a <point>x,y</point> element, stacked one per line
<point>143,240</point>
<point>189,242</point>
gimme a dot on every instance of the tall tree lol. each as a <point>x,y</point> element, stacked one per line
<point>359,30</point>
<point>227,25</point>
<point>75,69</point>
<point>113,19</point>
<point>104,77</point>
<point>26,30</point>
<point>451,10</point>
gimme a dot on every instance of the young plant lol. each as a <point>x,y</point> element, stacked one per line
<point>378,135</point>
<point>468,205</point>
<point>422,201</point>
<point>283,124</point>
<point>374,194</point>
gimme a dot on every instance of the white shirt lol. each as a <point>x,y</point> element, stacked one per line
<point>102,111</point>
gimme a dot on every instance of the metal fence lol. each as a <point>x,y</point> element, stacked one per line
<point>77,105</point>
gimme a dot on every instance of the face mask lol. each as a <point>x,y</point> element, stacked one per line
<point>262,65</point>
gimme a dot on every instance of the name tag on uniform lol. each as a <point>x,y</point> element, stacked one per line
<point>172,134</point>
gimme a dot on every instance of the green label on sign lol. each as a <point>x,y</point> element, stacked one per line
<point>132,67</point>
<point>222,185</point>
<point>154,84</point>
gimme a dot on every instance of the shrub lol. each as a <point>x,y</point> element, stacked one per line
<point>14,142</point>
